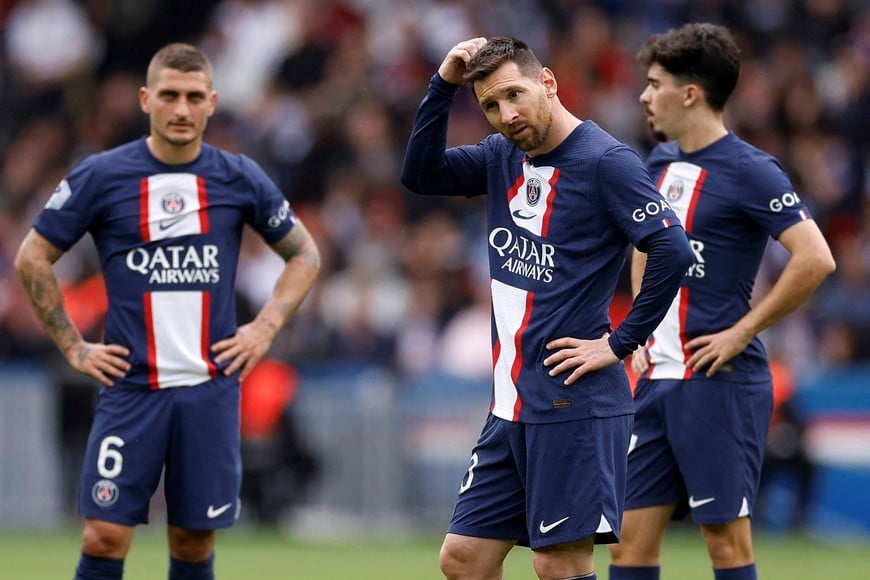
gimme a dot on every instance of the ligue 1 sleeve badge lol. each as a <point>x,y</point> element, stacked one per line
<point>104,493</point>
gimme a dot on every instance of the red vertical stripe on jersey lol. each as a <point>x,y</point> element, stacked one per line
<point>662,178</point>
<point>684,292</point>
<point>143,210</point>
<point>545,225</point>
<point>203,207</point>
<point>690,213</point>
<point>204,333</point>
<point>515,188</point>
<point>152,342</point>
<point>496,351</point>
<point>684,310</point>
<point>518,360</point>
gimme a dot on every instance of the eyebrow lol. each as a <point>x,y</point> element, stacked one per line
<point>178,92</point>
<point>513,88</point>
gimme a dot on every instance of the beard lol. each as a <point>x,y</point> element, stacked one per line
<point>534,140</point>
<point>537,132</point>
<point>657,134</point>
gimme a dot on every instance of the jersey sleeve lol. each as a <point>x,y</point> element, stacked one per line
<point>429,168</point>
<point>271,215</point>
<point>769,197</point>
<point>72,207</point>
<point>631,198</point>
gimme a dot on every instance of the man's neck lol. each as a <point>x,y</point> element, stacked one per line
<point>564,123</point>
<point>172,154</point>
<point>701,132</point>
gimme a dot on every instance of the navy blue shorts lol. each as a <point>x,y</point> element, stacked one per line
<point>698,443</point>
<point>191,431</point>
<point>545,484</point>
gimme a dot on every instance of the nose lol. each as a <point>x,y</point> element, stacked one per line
<point>508,114</point>
<point>644,96</point>
<point>182,107</point>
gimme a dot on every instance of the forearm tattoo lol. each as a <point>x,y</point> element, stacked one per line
<point>45,295</point>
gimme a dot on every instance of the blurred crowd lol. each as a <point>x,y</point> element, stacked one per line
<point>322,93</point>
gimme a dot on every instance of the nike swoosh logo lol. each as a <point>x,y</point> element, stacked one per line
<point>520,214</point>
<point>215,512</point>
<point>546,528</point>
<point>168,223</point>
<point>693,503</point>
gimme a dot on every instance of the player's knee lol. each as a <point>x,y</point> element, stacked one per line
<point>617,553</point>
<point>191,545</point>
<point>634,552</point>
<point>455,559</point>
<point>729,545</point>
<point>568,560</point>
<point>102,543</point>
<point>728,554</point>
<point>549,565</point>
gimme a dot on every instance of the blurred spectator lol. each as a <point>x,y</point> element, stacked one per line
<point>787,472</point>
<point>843,305</point>
<point>278,468</point>
<point>246,41</point>
<point>50,43</point>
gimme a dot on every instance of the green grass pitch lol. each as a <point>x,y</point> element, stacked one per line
<point>246,554</point>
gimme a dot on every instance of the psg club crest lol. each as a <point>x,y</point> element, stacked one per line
<point>675,190</point>
<point>104,493</point>
<point>172,203</point>
<point>533,191</point>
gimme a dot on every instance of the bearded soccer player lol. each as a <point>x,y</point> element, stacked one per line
<point>565,200</point>
<point>166,214</point>
<point>705,396</point>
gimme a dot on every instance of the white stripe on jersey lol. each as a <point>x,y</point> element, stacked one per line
<point>529,202</point>
<point>178,338</point>
<point>171,204</point>
<point>510,308</point>
<point>666,352</point>
<point>680,185</point>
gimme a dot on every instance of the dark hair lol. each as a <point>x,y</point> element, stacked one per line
<point>497,51</point>
<point>700,53</point>
<point>179,56</point>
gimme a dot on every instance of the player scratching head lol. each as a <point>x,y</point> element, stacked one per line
<point>518,95</point>
<point>178,98</point>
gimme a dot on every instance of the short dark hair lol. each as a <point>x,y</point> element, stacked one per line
<point>179,56</point>
<point>497,51</point>
<point>700,53</point>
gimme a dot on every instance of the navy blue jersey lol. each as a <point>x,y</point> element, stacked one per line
<point>731,198</point>
<point>168,240</point>
<point>558,228</point>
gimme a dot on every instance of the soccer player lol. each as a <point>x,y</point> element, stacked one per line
<point>565,201</point>
<point>166,214</point>
<point>704,399</point>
